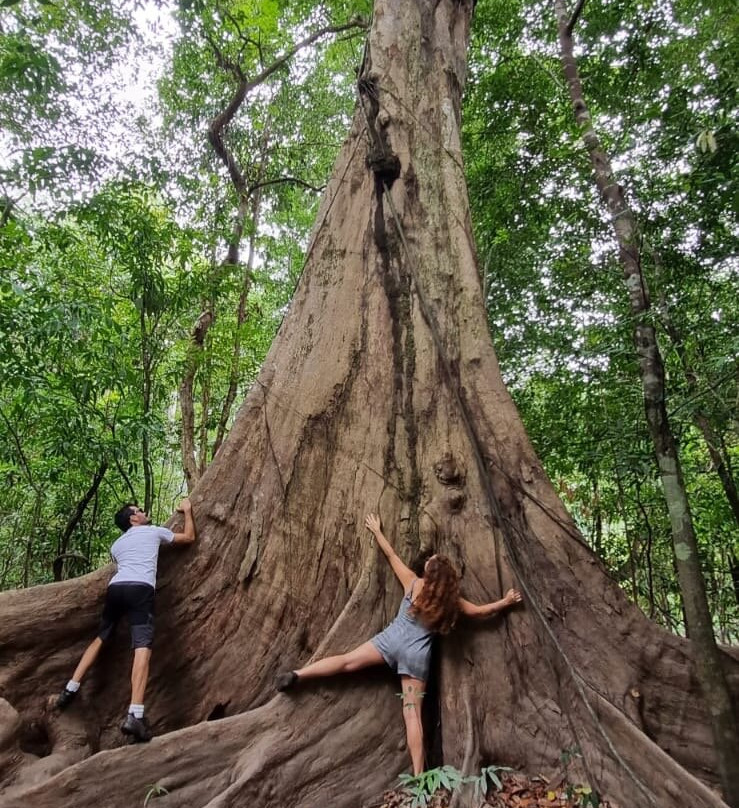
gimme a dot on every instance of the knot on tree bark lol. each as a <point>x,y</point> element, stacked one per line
<point>385,166</point>
<point>202,325</point>
<point>249,562</point>
<point>452,475</point>
<point>34,749</point>
<point>449,471</point>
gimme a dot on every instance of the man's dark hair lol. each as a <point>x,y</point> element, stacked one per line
<point>123,516</point>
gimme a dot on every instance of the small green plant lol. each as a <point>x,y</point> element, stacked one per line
<point>584,796</point>
<point>568,755</point>
<point>489,773</point>
<point>423,786</point>
<point>155,790</point>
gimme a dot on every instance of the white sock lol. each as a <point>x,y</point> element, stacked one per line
<point>137,710</point>
<point>72,686</point>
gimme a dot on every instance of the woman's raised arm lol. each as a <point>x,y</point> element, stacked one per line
<point>405,575</point>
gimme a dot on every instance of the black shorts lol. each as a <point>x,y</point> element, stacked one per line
<point>136,602</point>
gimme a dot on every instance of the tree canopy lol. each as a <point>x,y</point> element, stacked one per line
<point>117,221</point>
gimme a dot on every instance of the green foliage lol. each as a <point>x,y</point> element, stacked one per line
<point>584,796</point>
<point>82,379</point>
<point>50,54</point>
<point>421,787</point>
<point>99,296</point>
<point>109,255</point>
<point>656,80</point>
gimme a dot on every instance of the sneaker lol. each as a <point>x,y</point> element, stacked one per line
<point>285,680</point>
<point>137,728</point>
<point>64,699</point>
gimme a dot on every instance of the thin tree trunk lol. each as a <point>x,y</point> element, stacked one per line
<point>146,401</point>
<point>186,395</point>
<point>233,378</point>
<point>91,526</point>
<point>76,518</point>
<point>692,585</point>
<point>713,441</point>
<point>38,498</point>
<point>632,537</point>
<point>723,470</point>
<point>713,444</point>
<point>233,381</point>
<point>597,519</point>
<point>38,501</point>
<point>205,383</point>
<point>648,545</point>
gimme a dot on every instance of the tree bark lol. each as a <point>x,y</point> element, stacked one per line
<point>381,392</point>
<point>699,626</point>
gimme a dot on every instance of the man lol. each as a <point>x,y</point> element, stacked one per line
<point>131,593</point>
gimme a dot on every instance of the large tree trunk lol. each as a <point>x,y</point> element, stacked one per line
<point>362,406</point>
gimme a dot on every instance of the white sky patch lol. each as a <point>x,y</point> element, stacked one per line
<point>132,83</point>
<point>105,106</point>
<point>158,28</point>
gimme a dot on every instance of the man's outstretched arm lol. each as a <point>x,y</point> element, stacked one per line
<point>188,531</point>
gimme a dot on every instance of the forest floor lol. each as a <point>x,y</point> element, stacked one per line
<point>517,791</point>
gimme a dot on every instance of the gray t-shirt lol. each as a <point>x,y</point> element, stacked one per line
<point>136,553</point>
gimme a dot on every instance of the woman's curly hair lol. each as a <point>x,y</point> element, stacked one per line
<point>437,605</point>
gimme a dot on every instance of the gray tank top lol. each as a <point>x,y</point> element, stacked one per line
<point>406,643</point>
<point>408,626</point>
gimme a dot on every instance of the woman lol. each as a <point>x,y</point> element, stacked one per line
<point>430,606</point>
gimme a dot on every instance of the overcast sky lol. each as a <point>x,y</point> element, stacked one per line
<point>106,105</point>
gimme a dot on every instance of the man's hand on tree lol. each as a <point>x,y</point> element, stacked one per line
<point>185,505</point>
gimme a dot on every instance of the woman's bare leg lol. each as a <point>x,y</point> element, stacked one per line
<point>364,656</point>
<point>413,693</point>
